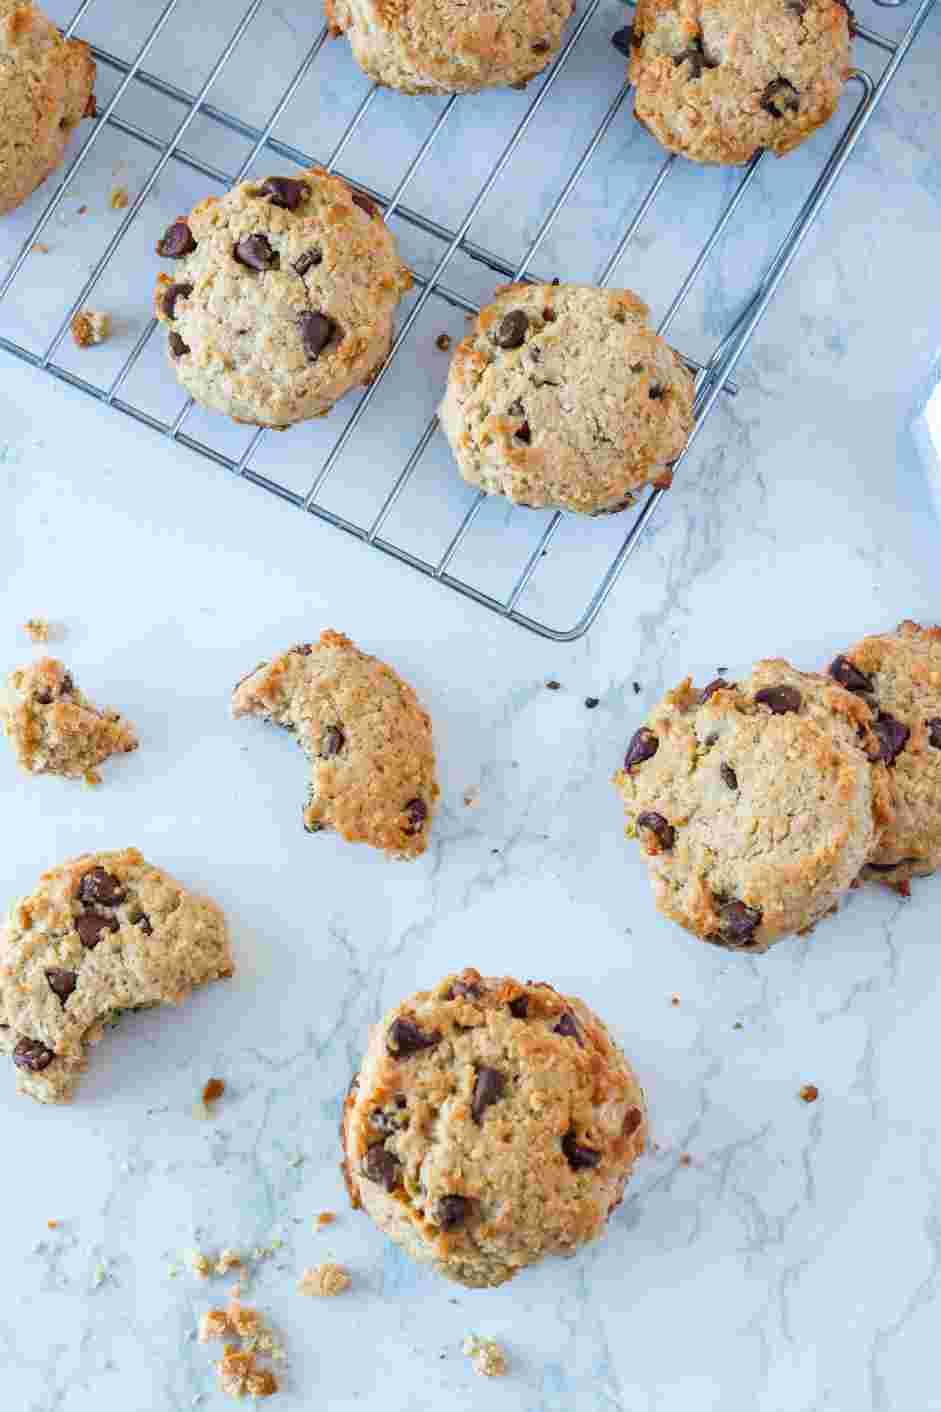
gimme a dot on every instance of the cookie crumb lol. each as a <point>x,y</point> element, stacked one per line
<point>443,341</point>
<point>40,247</point>
<point>199,1263</point>
<point>685,1159</point>
<point>674,1000</point>
<point>325,1280</point>
<point>592,701</point>
<point>119,198</point>
<point>324,1218</point>
<point>39,629</point>
<point>90,326</point>
<point>238,1375</point>
<point>92,778</point>
<point>810,1093</point>
<point>228,1260</point>
<point>52,1225</point>
<point>487,1356</point>
<point>472,798</point>
<point>213,1324</point>
<point>212,1091</point>
<point>81,210</point>
<point>553,685</point>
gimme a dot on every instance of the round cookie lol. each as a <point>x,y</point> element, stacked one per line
<point>282,297</point>
<point>716,82</point>
<point>46,87</point>
<point>491,1124</point>
<point>443,46</point>
<point>100,934</point>
<point>372,762</point>
<point>757,803</point>
<point>562,396</point>
<point>898,674</point>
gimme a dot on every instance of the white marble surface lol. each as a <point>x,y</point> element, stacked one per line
<point>794,1264</point>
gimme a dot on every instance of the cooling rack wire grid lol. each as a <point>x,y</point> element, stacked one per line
<point>471,207</point>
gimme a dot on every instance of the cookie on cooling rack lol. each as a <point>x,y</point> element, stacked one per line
<point>282,297</point>
<point>45,90</point>
<point>443,46</point>
<point>716,82</point>
<point>491,1124</point>
<point>898,674</point>
<point>372,763</point>
<point>562,396</point>
<point>757,804</point>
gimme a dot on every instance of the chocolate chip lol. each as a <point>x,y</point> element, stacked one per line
<point>44,698</point>
<point>843,671</point>
<point>636,367</point>
<point>467,990</point>
<point>523,433</point>
<point>285,192</point>
<point>643,746</point>
<point>177,241</point>
<point>177,346</point>
<point>579,1158</point>
<point>934,732</point>
<point>451,1212</point>
<point>696,59</point>
<point>592,701</point>
<point>316,332</point>
<point>623,40</point>
<point>382,1167</point>
<point>718,684</point>
<point>91,925</point>
<point>417,811</point>
<point>512,330</point>
<point>656,392</point>
<point>175,292</point>
<point>515,409</point>
<point>67,684</point>
<point>780,97</point>
<point>541,46</point>
<point>97,885</point>
<point>383,1122</point>
<point>30,1054</point>
<point>568,1028</point>
<point>519,1007</point>
<point>889,867</point>
<point>657,824</point>
<point>739,924</point>
<point>632,1121</point>
<point>780,699</point>
<point>144,923</point>
<point>61,982</point>
<point>307,261</point>
<point>254,252</point>
<point>893,737</point>
<point>405,1038</point>
<point>488,1088</point>
<point>796,7</point>
<point>331,742</point>
<point>729,776</point>
<point>361,200</point>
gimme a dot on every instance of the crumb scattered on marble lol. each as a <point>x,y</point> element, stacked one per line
<point>324,1218</point>
<point>199,1263</point>
<point>119,198</point>
<point>674,1000</point>
<point>91,778</point>
<point>90,326</point>
<point>81,210</point>
<point>239,1375</point>
<point>443,341</point>
<point>229,1259</point>
<point>40,247</point>
<point>592,701</point>
<point>238,1372</point>
<point>810,1093</point>
<point>472,798</point>
<point>39,629</point>
<point>326,1280</point>
<point>685,1159</point>
<point>214,1089</point>
<point>52,1225</point>
<point>553,685</point>
<point>487,1356</point>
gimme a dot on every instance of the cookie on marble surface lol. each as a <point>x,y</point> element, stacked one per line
<point>490,1124</point>
<point>102,933</point>
<point>282,297</point>
<point>563,396</point>
<point>46,87</point>
<point>717,82</point>
<point>56,730</point>
<point>443,46</point>
<point>898,674</point>
<point>757,804</point>
<point>369,743</point>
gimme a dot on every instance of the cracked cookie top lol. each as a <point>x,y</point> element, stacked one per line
<point>716,82</point>
<point>757,803</point>
<point>281,298</point>
<point>490,1124</point>
<point>102,933</point>
<point>369,743</point>
<point>54,728</point>
<point>562,396</point>
<point>898,674</point>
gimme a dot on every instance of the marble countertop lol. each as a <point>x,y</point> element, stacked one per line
<point>771,1256</point>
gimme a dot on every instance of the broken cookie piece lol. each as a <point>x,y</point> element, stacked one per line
<point>56,730</point>
<point>99,935</point>
<point>90,326</point>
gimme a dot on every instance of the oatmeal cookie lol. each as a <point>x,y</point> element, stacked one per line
<point>367,739</point>
<point>282,298</point>
<point>100,934</point>
<point>490,1124</point>
<point>562,396</point>
<point>757,804</point>
<point>56,730</point>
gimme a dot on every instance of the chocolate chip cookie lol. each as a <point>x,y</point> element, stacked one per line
<point>562,396</point>
<point>490,1124</point>
<point>716,82</point>
<point>281,299</point>
<point>757,804</point>
<point>372,762</point>
<point>54,729</point>
<point>100,934</point>
<point>898,674</point>
<point>444,46</point>
<point>46,87</point>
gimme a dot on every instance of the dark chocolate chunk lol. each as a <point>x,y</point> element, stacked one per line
<point>451,1212</point>
<point>255,253</point>
<point>889,867</point>
<point>417,811</point>
<point>361,200</point>
<point>61,982</point>
<point>32,1055</point>
<point>519,1007</point>
<point>523,433</point>
<point>175,292</point>
<point>780,97</point>
<point>316,332</point>
<point>665,833</point>
<point>655,392</point>
<point>717,684</point>
<point>176,241</point>
<point>568,1028</point>
<point>729,776</point>
<point>934,732</point>
<point>541,46</point>
<point>632,1121</point>
<point>488,1088</point>
<point>623,40</point>
<point>893,737</point>
<point>405,1039</point>
<point>843,671</point>
<point>382,1167</point>
<point>332,742</point>
<point>467,990</point>
<point>177,346</point>
<point>90,927</point>
<point>643,746</point>
<point>739,924</point>
<point>512,330</point>
<point>579,1158</point>
<point>307,261</point>
<point>780,699</point>
<point>143,921</point>
<point>285,192</point>
<point>97,885</point>
<point>696,59</point>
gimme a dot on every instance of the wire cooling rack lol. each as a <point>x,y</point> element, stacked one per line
<point>408,501</point>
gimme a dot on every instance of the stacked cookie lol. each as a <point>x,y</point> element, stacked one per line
<point>759,804</point>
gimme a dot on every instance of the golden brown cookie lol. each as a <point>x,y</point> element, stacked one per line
<point>56,730</point>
